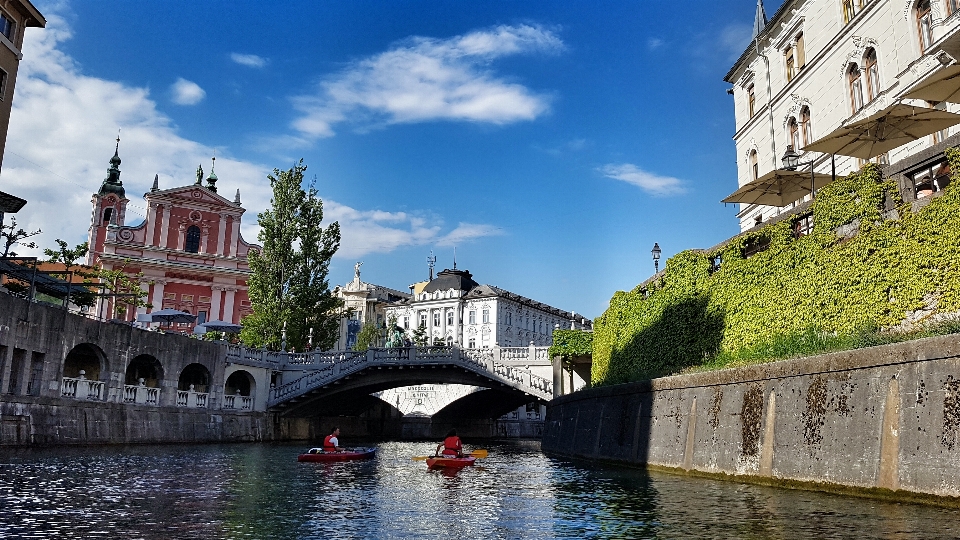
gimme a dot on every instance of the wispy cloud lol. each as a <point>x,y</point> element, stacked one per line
<point>426,79</point>
<point>654,43</point>
<point>468,231</point>
<point>649,182</point>
<point>734,39</point>
<point>61,136</point>
<point>249,60</point>
<point>187,92</point>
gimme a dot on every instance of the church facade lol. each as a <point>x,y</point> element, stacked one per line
<point>189,249</point>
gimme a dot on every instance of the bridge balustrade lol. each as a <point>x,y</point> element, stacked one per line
<point>242,403</point>
<point>191,399</point>
<point>82,388</point>
<point>144,395</point>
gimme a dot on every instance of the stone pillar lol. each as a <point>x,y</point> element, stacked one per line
<point>228,305</point>
<point>557,376</point>
<point>204,238</point>
<point>157,299</point>
<point>5,364</point>
<point>164,226</point>
<point>215,297</point>
<point>145,287</point>
<point>181,236</point>
<point>221,234</point>
<point>151,224</point>
<point>235,237</point>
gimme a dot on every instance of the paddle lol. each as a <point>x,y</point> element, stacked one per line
<point>480,454</point>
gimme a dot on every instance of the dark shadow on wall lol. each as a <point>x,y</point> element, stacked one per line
<point>686,333</point>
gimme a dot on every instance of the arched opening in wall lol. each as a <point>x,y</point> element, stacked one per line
<point>856,87</point>
<point>147,368</point>
<point>85,357</point>
<point>754,166</point>
<point>192,244</point>
<point>107,214</point>
<point>240,383</point>
<point>924,25</point>
<point>195,376</point>
<point>872,71</point>
<point>793,128</point>
<point>806,130</point>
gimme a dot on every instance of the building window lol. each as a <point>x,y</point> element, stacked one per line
<point>169,296</point>
<point>791,67</point>
<point>206,300</point>
<point>472,343</point>
<point>472,317</point>
<point>406,323</point>
<point>751,101</point>
<point>806,131</point>
<point>803,226</point>
<point>794,129</point>
<point>486,316</point>
<point>201,317</point>
<point>449,318</point>
<point>952,7</point>
<point>856,88</point>
<point>754,166</point>
<point>186,298</point>
<point>3,85</point>
<point>509,318</point>
<point>930,180</point>
<point>924,25</point>
<point>801,54</point>
<point>850,9</point>
<point>193,240</point>
<point>423,319</point>
<point>107,214</point>
<point>873,74</point>
<point>8,26</point>
<point>436,318</point>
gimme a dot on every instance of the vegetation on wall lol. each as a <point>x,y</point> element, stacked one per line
<point>861,277</point>
<point>571,343</point>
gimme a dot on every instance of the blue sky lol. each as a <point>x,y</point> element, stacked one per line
<point>551,143</point>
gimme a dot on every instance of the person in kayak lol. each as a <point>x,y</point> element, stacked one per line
<point>451,445</point>
<point>331,443</point>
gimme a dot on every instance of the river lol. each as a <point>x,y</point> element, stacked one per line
<point>259,491</point>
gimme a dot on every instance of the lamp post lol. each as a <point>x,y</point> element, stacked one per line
<point>791,160</point>
<point>656,257</point>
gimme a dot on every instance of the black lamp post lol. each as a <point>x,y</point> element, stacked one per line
<point>791,160</point>
<point>656,257</point>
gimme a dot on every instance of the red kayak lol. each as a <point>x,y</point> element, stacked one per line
<point>449,462</point>
<point>318,455</point>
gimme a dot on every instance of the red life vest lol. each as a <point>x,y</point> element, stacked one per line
<point>452,446</point>
<point>328,445</point>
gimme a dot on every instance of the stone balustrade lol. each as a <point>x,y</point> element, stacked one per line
<point>141,394</point>
<point>192,399</point>
<point>82,388</point>
<point>238,402</point>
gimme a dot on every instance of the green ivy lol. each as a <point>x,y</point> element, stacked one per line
<point>695,315</point>
<point>570,343</point>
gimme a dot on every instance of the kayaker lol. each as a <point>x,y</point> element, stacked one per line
<point>331,443</point>
<point>451,445</point>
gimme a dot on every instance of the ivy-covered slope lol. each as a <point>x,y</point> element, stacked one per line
<point>814,285</point>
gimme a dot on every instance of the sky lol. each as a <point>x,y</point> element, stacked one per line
<point>548,144</point>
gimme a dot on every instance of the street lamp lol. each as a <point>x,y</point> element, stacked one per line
<point>656,257</point>
<point>791,160</point>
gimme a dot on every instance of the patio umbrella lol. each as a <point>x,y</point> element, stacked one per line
<point>943,85</point>
<point>171,316</point>
<point>778,188</point>
<point>884,130</point>
<point>221,326</point>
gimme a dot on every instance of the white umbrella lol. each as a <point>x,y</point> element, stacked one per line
<point>220,326</point>
<point>778,188</point>
<point>171,316</point>
<point>943,85</point>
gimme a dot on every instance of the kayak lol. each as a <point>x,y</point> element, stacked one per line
<point>449,462</point>
<point>318,455</point>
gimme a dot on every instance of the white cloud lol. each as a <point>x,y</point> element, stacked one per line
<point>249,60</point>
<point>654,43</point>
<point>61,137</point>
<point>734,39</point>
<point>187,92</point>
<point>649,182</point>
<point>425,79</point>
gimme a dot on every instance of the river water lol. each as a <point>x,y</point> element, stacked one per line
<point>259,491</point>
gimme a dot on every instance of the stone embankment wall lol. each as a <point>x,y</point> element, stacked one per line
<point>883,421</point>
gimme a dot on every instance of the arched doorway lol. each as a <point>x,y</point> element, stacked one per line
<point>85,357</point>
<point>194,377</point>
<point>147,368</point>
<point>239,391</point>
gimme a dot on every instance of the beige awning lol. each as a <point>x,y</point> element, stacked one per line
<point>883,131</point>
<point>778,188</point>
<point>943,85</point>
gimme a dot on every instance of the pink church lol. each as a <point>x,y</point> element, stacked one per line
<point>189,248</point>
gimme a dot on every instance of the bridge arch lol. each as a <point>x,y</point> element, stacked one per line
<point>145,367</point>
<point>241,383</point>
<point>489,403</point>
<point>88,358</point>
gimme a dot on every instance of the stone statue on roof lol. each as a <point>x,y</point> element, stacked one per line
<point>356,270</point>
<point>199,174</point>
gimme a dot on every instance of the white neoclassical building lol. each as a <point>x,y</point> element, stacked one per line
<point>820,64</point>
<point>455,309</point>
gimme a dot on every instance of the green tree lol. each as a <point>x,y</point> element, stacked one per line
<point>420,337</point>
<point>369,336</point>
<point>288,286</point>
<point>10,235</point>
<point>123,286</point>
<point>65,255</point>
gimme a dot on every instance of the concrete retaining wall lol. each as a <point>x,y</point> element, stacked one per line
<point>882,421</point>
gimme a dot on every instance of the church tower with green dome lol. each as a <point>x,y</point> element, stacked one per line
<point>109,203</point>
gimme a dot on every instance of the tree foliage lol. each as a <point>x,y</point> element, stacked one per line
<point>369,336</point>
<point>65,255</point>
<point>570,343</point>
<point>288,286</point>
<point>420,337</point>
<point>10,236</point>
<point>863,271</point>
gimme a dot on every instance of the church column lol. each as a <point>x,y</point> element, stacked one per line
<point>215,297</point>
<point>164,226</point>
<point>221,234</point>
<point>181,236</point>
<point>235,237</point>
<point>204,238</point>
<point>228,305</point>
<point>145,287</point>
<point>151,223</point>
<point>157,300</point>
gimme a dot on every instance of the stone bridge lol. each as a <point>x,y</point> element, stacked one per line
<point>342,382</point>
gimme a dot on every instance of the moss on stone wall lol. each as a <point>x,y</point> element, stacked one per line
<point>857,270</point>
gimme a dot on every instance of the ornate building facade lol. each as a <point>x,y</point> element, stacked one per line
<point>364,303</point>
<point>456,310</point>
<point>820,64</point>
<point>189,248</point>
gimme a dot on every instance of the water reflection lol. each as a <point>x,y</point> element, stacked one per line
<point>260,491</point>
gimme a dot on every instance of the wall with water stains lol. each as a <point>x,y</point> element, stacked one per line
<point>883,420</point>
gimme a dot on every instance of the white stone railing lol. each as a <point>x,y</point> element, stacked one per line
<point>514,353</point>
<point>82,388</point>
<point>238,402</point>
<point>479,361</point>
<point>192,399</point>
<point>139,393</point>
